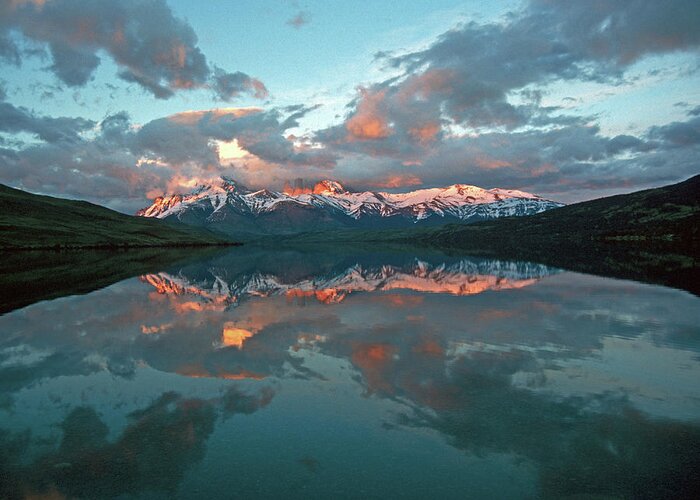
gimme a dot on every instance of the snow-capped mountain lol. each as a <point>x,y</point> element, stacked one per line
<point>229,205</point>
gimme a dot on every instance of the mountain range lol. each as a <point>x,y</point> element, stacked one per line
<point>233,209</point>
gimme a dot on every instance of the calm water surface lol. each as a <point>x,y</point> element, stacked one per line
<point>291,374</point>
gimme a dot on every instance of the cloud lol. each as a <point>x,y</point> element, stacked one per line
<point>679,134</point>
<point>121,163</point>
<point>397,181</point>
<point>229,85</point>
<point>468,108</point>
<point>151,46</point>
<point>566,163</point>
<point>9,51</point>
<point>52,130</point>
<point>188,136</point>
<point>301,19</point>
<point>369,121</point>
<point>485,63</point>
<point>469,75</point>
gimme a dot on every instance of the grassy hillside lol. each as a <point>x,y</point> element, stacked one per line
<point>33,221</point>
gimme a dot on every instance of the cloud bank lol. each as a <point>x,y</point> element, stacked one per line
<point>466,108</point>
<point>162,56</point>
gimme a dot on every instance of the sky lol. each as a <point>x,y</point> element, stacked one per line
<point>121,102</point>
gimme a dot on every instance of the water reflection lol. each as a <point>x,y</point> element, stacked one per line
<point>151,454</point>
<point>226,285</point>
<point>312,374</point>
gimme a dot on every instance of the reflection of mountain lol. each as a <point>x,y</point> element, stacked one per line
<point>464,277</point>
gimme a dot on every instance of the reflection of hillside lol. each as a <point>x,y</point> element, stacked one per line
<point>461,278</point>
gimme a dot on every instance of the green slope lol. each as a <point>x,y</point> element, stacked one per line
<point>33,221</point>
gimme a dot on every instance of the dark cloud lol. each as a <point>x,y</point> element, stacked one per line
<point>679,134</point>
<point>568,163</point>
<point>622,143</point>
<point>73,67</point>
<point>226,86</point>
<point>484,64</point>
<point>151,46</point>
<point>8,49</point>
<point>14,120</point>
<point>188,136</point>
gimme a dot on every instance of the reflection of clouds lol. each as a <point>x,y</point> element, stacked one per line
<point>597,444</point>
<point>147,330</point>
<point>374,360</point>
<point>151,455</point>
<point>398,300</point>
<point>231,336</point>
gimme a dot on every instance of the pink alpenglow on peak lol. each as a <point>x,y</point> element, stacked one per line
<point>328,204</point>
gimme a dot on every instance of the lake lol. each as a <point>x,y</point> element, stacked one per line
<point>316,374</point>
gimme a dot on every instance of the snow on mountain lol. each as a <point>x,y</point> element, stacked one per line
<point>459,201</point>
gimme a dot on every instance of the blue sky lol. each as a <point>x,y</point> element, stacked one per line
<point>116,103</point>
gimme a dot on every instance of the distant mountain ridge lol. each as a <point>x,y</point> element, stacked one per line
<point>230,207</point>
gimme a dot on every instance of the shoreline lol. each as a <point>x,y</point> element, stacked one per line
<point>116,246</point>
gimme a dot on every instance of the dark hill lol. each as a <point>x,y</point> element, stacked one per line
<point>33,221</point>
<point>651,218</point>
